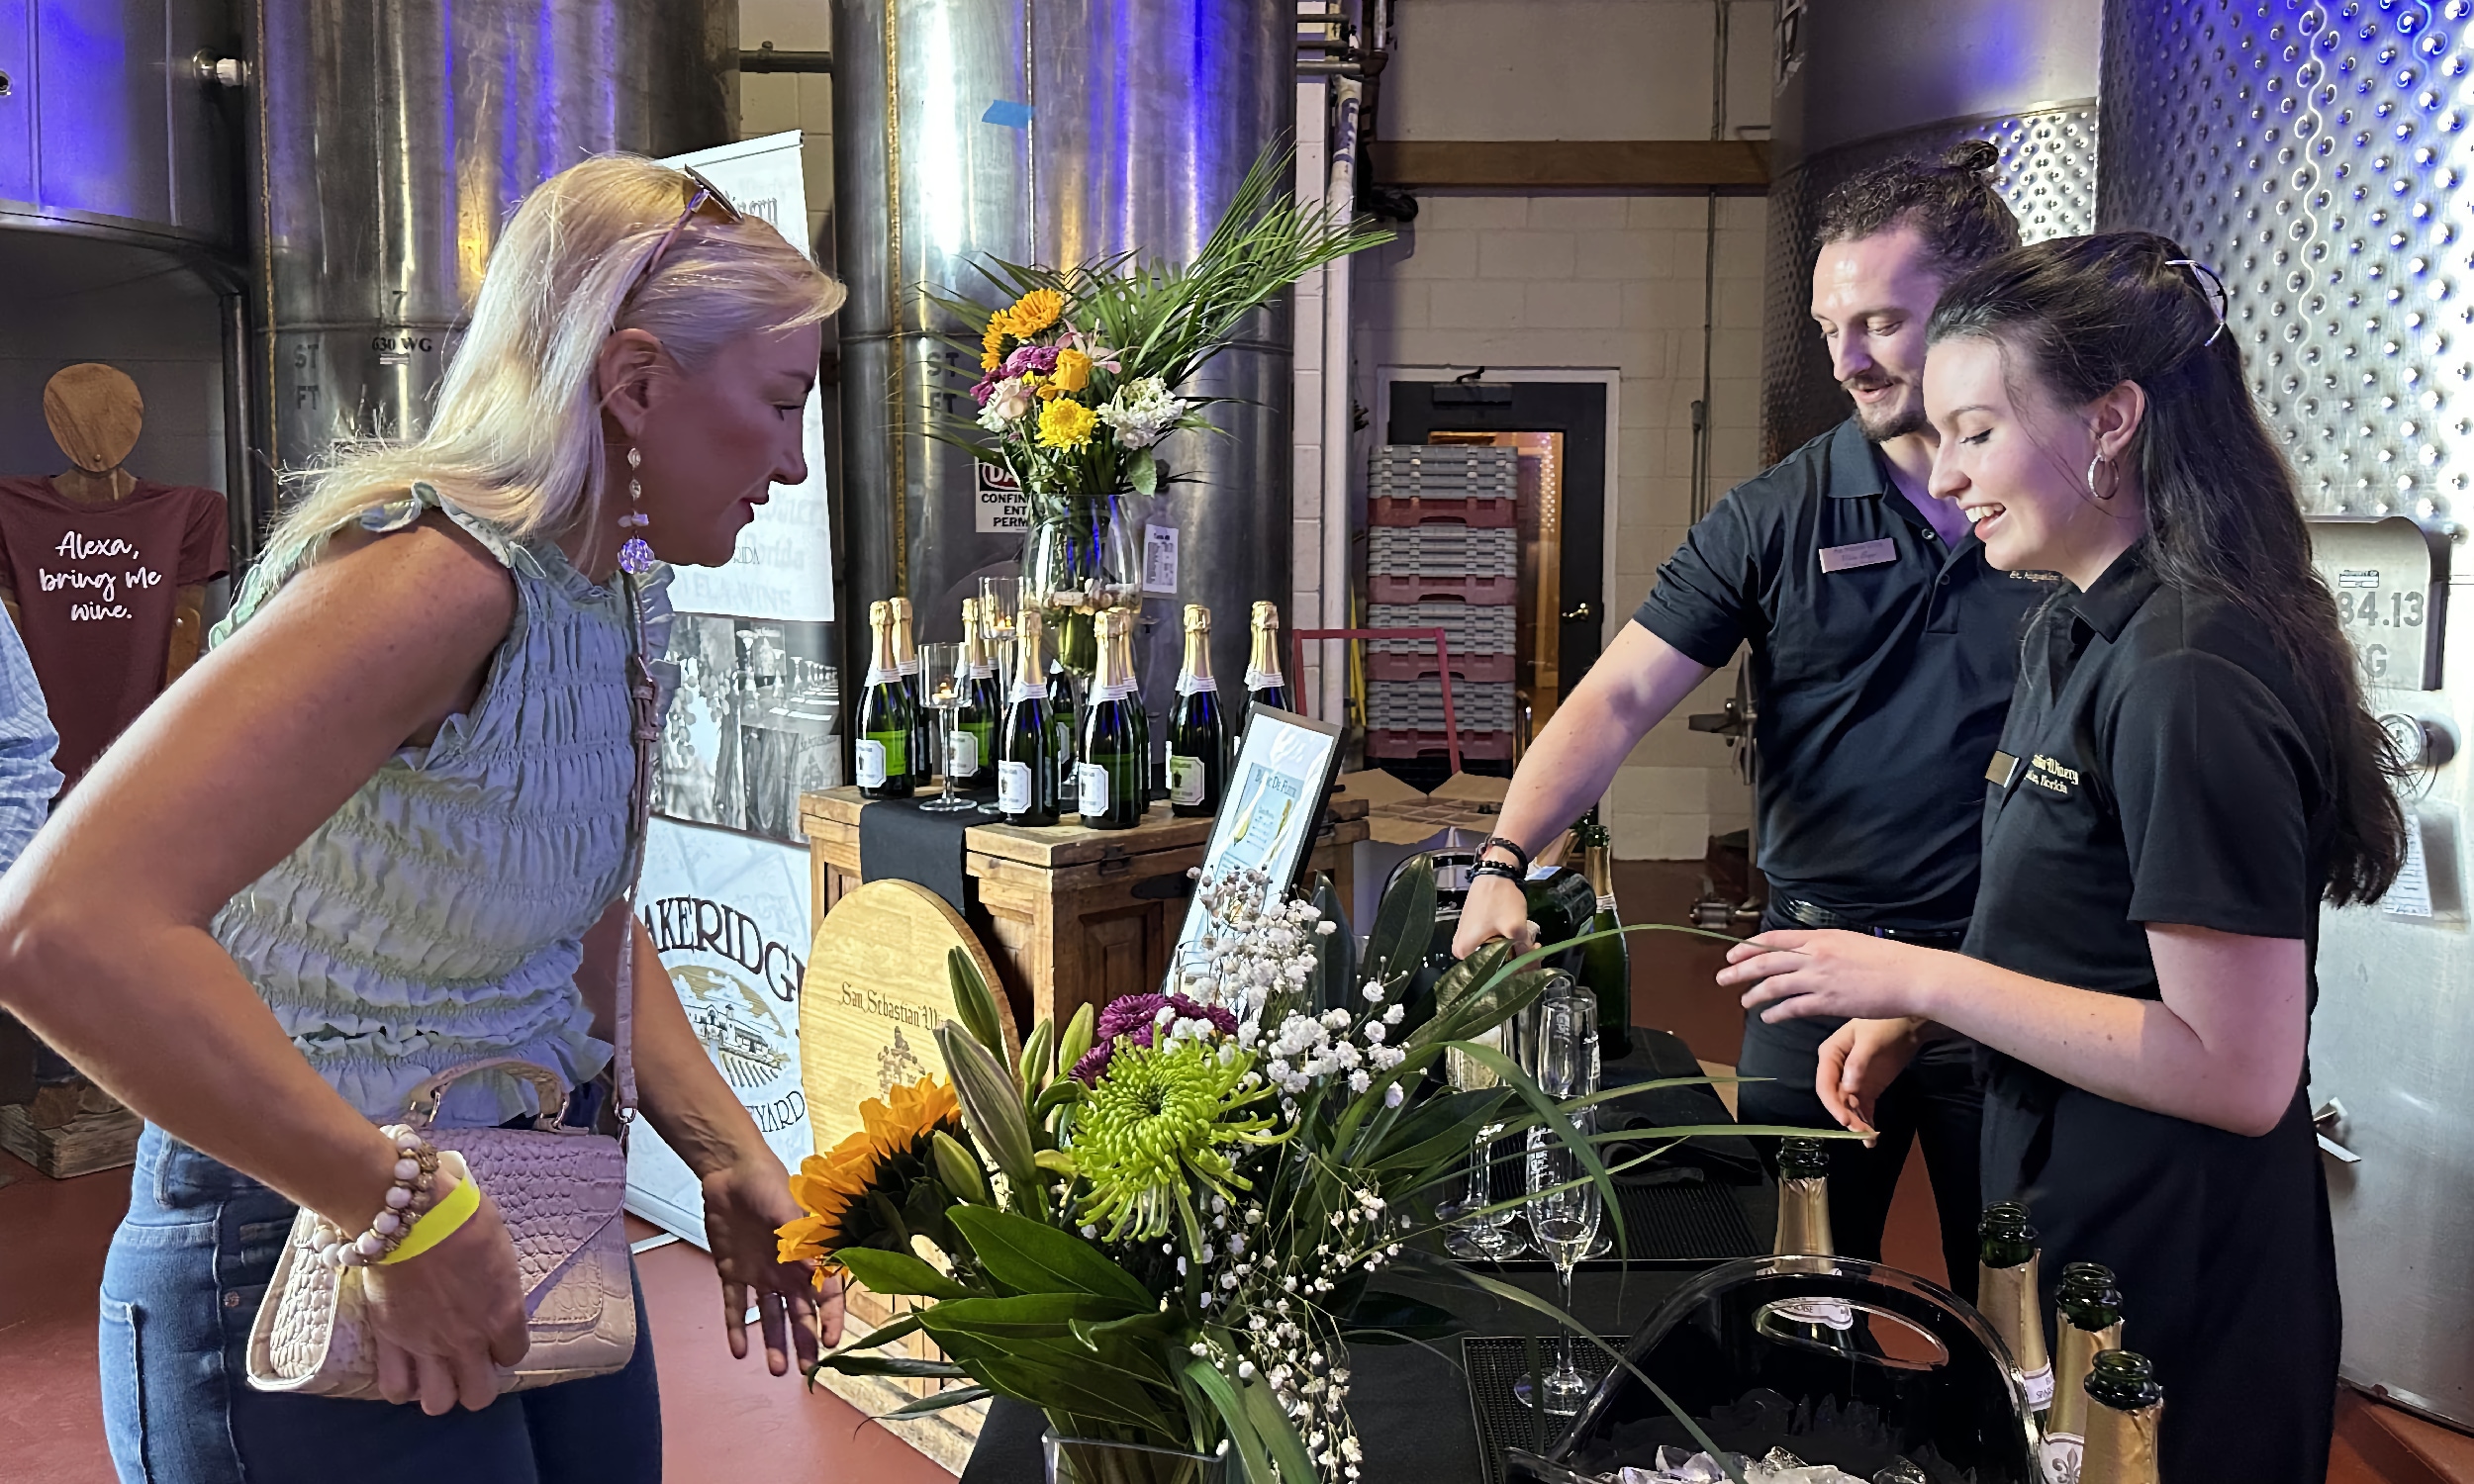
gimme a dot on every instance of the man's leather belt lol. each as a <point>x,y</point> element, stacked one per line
<point>1806,914</point>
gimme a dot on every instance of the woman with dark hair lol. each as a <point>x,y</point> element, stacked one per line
<point>2187,771</point>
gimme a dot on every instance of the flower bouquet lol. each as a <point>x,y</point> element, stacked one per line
<point>1165,1224</point>
<point>1080,369</point>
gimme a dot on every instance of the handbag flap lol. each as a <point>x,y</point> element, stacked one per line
<point>557,1193</point>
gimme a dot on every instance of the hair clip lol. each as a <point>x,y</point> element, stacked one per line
<point>2217,299</point>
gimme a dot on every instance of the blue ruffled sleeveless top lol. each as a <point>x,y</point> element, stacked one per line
<point>438,917</point>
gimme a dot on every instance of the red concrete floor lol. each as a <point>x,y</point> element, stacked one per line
<point>722,1420</point>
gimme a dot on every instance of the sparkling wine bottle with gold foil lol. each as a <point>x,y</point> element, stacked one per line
<point>1198,734</point>
<point>2125,1408</point>
<point>1606,964</point>
<point>982,705</point>
<point>883,746</point>
<point>1804,1234</point>
<point>1265,686</point>
<point>922,750</point>
<point>1028,771</point>
<point>2008,1297</point>
<point>1109,767</point>
<point>2087,1322</point>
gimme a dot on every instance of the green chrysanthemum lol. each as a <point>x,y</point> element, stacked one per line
<point>1157,1121</point>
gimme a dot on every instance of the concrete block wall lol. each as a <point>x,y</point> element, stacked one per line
<point>773,102</point>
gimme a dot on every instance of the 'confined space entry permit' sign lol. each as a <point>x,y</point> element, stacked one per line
<point>1001,504</point>
<point>729,916</point>
<point>783,570</point>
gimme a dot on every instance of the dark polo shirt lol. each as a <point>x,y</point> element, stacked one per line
<point>1882,657</point>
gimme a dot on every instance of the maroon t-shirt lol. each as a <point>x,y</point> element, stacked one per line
<point>95,592</point>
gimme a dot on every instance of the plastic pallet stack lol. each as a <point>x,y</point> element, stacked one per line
<point>1443,552</point>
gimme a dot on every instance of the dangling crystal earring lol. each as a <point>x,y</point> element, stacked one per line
<point>635,554</point>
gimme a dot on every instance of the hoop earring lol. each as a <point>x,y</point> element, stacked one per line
<point>635,554</point>
<point>2092,494</point>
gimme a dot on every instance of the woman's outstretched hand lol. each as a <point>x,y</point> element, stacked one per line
<point>745,1202</point>
<point>446,1320</point>
<point>1787,974</point>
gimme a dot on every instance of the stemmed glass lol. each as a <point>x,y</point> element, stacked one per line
<point>1564,1222</point>
<point>1475,1238</point>
<point>942,685</point>
<point>1000,598</point>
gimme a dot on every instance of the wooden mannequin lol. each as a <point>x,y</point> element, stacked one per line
<point>95,414</point>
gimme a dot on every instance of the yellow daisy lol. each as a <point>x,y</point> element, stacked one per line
<point>1066,424</point>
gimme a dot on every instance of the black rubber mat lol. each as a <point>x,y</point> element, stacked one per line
<point>1684,1224</point>
<point>1494,1365</point>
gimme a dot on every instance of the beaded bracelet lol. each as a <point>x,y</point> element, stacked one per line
<point>415,1173</point>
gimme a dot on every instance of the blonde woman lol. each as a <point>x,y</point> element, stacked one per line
<point>383,828</point>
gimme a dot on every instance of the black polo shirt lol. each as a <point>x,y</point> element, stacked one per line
<point>1883,658</point>
<point>2161,765</point>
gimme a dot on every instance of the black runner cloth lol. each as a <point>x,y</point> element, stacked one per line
<point>904,841</point>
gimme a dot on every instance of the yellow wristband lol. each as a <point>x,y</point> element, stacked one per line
<point>442,1220</point>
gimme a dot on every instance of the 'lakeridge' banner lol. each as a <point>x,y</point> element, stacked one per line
<point>729,915</point>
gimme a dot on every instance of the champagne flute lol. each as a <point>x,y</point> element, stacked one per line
<point>942,685</point>
<point>1475,1238</point>
<point>1564,1222</point>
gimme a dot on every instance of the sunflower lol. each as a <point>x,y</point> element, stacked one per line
<point>993,342</point>
<point>878,1187</point>
<point>1159,1124</point>
<point>1033,312</point>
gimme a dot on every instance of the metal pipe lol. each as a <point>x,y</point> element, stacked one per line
<point>1702,453</point>
<point>1339,199</point>
<point>246,504</point>
<point>765,59</point>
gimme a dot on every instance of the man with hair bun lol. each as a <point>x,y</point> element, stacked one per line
<point>1882,651</point>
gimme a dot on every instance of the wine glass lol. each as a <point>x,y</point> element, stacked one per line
<point>1475,1238</point>
<point>942,685</point>
<point>1564,1222</point>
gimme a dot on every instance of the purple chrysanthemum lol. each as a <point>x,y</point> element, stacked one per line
<point>1027,359</point>
<point>1136,1018</point>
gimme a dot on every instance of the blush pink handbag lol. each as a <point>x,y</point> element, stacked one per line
<point>560,1191</point>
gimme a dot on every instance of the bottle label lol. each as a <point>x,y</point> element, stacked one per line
<point>984,670</point>
<point>1606,903</point>
<point>878,676</point>
<point>1023,690</point>
<point>1186,780</point>
<point>1013,788</point>
<point>2058,1455</point>
<point>906,668</point>
<point>1256,679</point>
<point>1191,685</point>
<point>2039,1388</point>
<point>962,754</point>
<point>871,764</point>
<point>1091,788</point>
<point>1829,1313</point>
<point>1123,689</point>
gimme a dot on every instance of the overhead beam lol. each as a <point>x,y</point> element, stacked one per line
<point>1733,165</point>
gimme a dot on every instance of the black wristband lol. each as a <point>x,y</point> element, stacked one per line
<point>1508,871</point>
<point>1494,840</point>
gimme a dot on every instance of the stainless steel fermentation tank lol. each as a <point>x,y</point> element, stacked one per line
<point>393,140</point>
<point>1143,116</point>
<point>117,233</point>
<point>1862,84</point>
<point>2318,155</point>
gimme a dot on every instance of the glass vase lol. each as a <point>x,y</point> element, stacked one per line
<point>1095,1460</point>
<point>1084,554</point>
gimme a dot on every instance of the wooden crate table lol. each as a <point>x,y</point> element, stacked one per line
<point>1071,915</point>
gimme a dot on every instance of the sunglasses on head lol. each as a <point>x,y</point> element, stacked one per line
<point>705,197</point>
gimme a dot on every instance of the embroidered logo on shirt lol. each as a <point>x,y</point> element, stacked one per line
<point>2053,777</point>
<point>1861,554</point>
<point>2035,576</point>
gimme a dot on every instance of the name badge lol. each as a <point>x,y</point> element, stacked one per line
<point>2003,770</point>
<point>1861,554</point>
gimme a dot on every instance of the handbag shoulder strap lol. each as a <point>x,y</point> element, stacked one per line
<point>645,712</point>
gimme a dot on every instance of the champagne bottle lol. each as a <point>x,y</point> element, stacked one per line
<point>2124,1405</point>
<point>885,715</point>
<point>2008,1297</point>
<point>1131,687</point>
<point>973,749</point>
<point>2087,1322</point>
<point>923,752</point>
<point>1026,765</point>
<point>1065,718</point>
<point>1606,964</point>
<point>1803,1239</point>
<point>1264,685</point>
<point>1197,740</point>
<point>1108,769</point>
<point>1803,1200</point>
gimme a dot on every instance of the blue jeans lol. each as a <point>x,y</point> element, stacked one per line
<point>180,1289</point>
